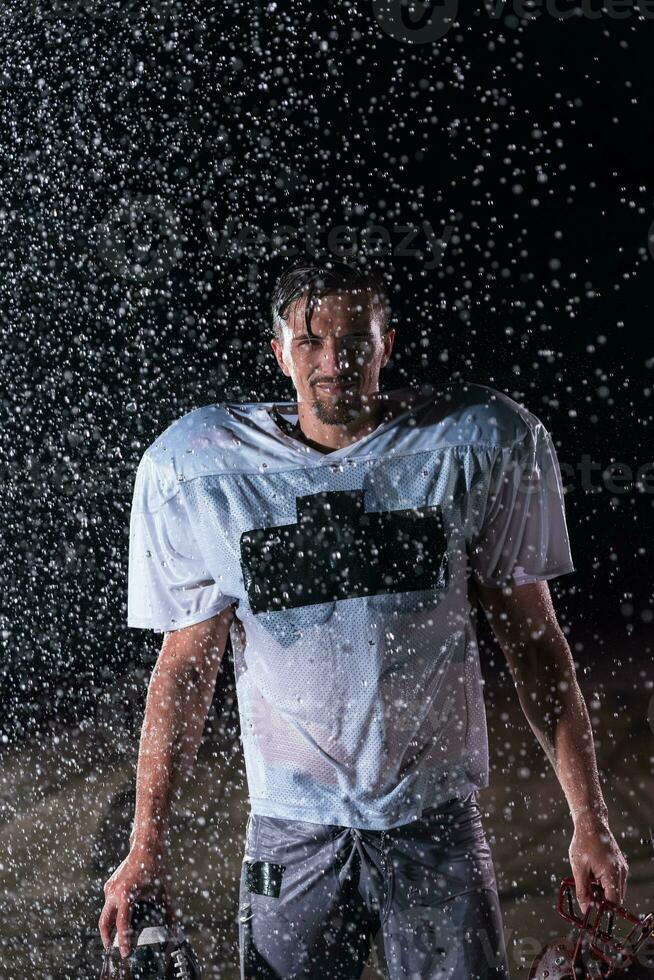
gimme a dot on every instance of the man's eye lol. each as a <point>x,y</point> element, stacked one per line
<point>354,343</point>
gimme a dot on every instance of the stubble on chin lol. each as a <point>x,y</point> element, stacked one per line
<point>340,412</point>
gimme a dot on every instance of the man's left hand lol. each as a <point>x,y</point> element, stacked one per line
<point>594,853</point>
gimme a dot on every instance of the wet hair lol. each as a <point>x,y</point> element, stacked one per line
<point>321,279</point>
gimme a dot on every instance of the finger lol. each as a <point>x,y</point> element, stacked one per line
<point>122,926</point>
<point>581,875</point>
<point>624,874</point>
<point>610,881</point>
<point>106,922</point>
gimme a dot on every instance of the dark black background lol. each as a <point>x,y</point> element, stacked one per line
<point>530,140</point>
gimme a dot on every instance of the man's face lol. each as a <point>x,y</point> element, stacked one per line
<point>337,366</point>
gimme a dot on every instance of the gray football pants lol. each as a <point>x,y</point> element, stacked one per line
<point>314,896</point>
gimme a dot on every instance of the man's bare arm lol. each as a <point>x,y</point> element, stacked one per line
<point>525,624</point>
<point>179,695</point>
<point>178,700</point>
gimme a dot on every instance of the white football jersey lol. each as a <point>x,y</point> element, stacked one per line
<point>352,574</point>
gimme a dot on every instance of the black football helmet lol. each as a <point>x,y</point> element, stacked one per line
<point>156,953</point>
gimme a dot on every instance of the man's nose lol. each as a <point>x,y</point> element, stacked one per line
<point>334,355</point>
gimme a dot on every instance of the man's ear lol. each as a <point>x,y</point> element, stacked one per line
<point>279,354</point>
<point>389,338</point>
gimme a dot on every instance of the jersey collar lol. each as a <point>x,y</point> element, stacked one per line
<point>280,418</point>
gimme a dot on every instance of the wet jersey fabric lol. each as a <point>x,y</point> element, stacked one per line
<point>352,574</point>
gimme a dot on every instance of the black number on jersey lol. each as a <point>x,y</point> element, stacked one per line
<point>336,550</point>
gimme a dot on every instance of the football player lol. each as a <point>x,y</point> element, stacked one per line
<point>343,539</point>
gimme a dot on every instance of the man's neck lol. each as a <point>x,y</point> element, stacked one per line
<point>383,408</point>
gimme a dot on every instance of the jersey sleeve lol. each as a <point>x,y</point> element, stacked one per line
<point>169,585</point>
<point>523,536</point>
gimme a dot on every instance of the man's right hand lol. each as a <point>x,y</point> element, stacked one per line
<point>144,874</point>
<point>179,695</point>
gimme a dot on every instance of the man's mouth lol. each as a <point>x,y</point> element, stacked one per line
<point>336,388</point>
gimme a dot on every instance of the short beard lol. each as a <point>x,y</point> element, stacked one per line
<point>339,412</point>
